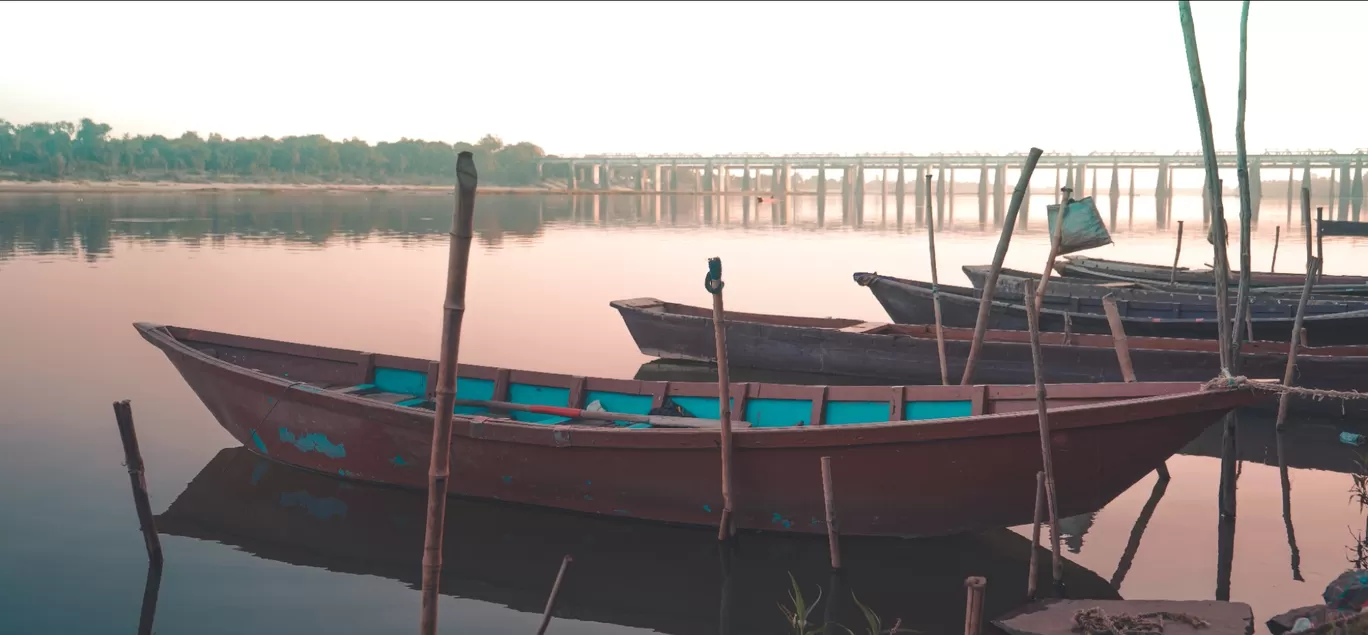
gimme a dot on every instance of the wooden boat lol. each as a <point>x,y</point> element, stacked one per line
<point>909,302</point>
<point>1322,291</point>
<point>661,578</point>
<point>1010,285</point>
<point>785,347</point>
<point>1086,267</point>
<point>1342,228</point>
<point>361,416</point>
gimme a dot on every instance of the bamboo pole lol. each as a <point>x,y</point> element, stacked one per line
<point>147,615</point>
<point>935,291</point>
<point>1277,234</point>
<point>1246,200</point>
<point>1056,237</point>
<point>123,417</point>
<point>1213,180</point>
<point>973,604</point>
<point>1019,194</point>
<point>1046,454</point>
<point>555,590</point>
<point>1034,571</point>
<point>1320,243</point>
<point>1118,333</point>
<point>439,467</point>
<point>1306,219</point>
<point>829,499</point>
<point>1295,342</point>
<point>713,283</point>
<point>1177,251</point>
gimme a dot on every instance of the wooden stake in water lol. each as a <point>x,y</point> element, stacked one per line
<point>555,590</point>
<point>935,290</point>
<point>1246,200</point>
<point>1119,341</point>
<point>1056,238</point>
<point>713,283</point>
<point>1046,453</point>
<point>829,499</point>
<point>123,417</point>
<point>1019,195</point>
<point>973,605</point>
<point>1320,243</point>
<point>1295,342</point>
<point>1277,233</point>
<point>1177,251</point>
<point>439,466</point>
<point>1034,571</point>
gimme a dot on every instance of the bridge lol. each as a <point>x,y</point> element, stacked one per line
<point>777,175</point>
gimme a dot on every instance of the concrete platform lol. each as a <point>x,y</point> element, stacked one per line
<point>1056,617</point>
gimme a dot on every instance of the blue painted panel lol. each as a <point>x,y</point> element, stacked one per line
<point>778,413</point>
<point>539,396</point>
<point>403,382</point>
<point>924,410</point>
<point>846,412</point>
<point>469,388</point>
<point>701,407</point>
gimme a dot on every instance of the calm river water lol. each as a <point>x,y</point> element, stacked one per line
<point>259,548</point>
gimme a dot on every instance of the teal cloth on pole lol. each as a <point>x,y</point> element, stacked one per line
<point>1083,226</point>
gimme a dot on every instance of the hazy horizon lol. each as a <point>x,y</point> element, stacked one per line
<point>674,77</point>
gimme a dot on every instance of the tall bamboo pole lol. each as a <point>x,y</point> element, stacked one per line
<point>935,291</point>
<point>1056,238</point>
<point>439,466</point>
<point>1246,202</point>
<point>1019,194</point>
<point>1046,452</point>
<point>713,283</point>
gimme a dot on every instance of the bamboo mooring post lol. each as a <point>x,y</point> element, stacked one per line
<point>1056,238</point>
<point>439,466</point>
<point>147,615</point>
<point>1122,345</point>
<point>713,283</point>
<point>829,499</point>
<point>1320,243</point>
<point>1177,251</point>
<point>1034,571</point>
<point>935,290</point>
<point>1295,342</point>
<point>1277,233</point>
<point>123,417</point>
<point>973,604</point>
<point>555,590</point>
<point>1046,453</point>
<point>1246,201</point>
<point>1019,194</point>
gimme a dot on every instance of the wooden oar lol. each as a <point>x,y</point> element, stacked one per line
<point>576,413</point>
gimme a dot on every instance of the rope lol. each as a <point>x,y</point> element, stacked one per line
<point>1225,381</point>
<point>713,281</point>
<point>1095,621</point>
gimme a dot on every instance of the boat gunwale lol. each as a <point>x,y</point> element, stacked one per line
<point>1115,410</point>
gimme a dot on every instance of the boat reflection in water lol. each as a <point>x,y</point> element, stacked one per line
<point>667,578</point>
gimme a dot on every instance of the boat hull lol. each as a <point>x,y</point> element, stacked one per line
<point>983,467</point>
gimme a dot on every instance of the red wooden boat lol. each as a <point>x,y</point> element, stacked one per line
<point>908,460</point>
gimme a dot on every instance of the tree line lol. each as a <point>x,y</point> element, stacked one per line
<point>87,150</point>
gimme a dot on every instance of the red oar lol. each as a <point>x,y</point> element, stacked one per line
<point>575,413</point>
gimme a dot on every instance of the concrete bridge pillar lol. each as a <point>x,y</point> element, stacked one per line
<point>709,182</point>
<point>698,179</point>
<point>900,191</point>
<point>746,177</point>
<point>642,178</point>
<point>1330,200</point>
<point>1358,190</point>
<point>1161,196</point>
<point>983,196</point>
<point>1114,195</point>
<point>596,175</point>
<point>883,189</point>
<point>859,191</point>
<point>1206,202</point>
<point>1094,186</point>
<point>607,177</point>
<point>940,195</point>
<point>999,194</point>
<point>1025,213</point>
<point>674,179</point>
<point>1290,180</point>
<point>572,177</point>
<point>722,173</point>
<point>656,183</point>
<point>1080,180</point>
<point>1130,200</point>
<point>1346,189</point>
<point>1306,185</point>
<point>821,181</point>
<point>540,171</point>
<point>1255,190</point>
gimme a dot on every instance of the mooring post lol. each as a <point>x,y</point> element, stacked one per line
<point>439,465</point>
<point>123,417</point>
<point>555,590</point>
<point>713,283</point>
<point>1277,233</point>
<point>1243,176</point>
<point>1177,251</point>
<point>1034,571</point>
<point>1019,194</point>
<point>935,292</point>
<point>1046,451</point>
<point>1320,243</point>
<point>973,605</point>
<point>1056,239</point>
<point>1295,341</point>
<point>829,499</point>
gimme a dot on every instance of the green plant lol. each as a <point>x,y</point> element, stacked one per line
<point>873,624</point>
<point>798,616</point>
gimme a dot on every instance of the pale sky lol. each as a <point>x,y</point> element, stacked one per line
<point>693,77</point>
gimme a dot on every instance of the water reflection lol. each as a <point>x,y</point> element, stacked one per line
<point>627,573</point>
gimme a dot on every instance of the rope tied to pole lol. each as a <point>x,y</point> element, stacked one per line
<point>713,281</point>
<point>1228,382</point>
